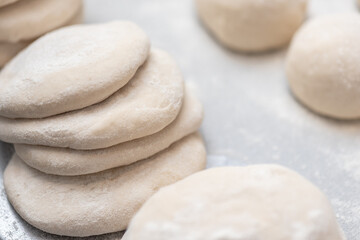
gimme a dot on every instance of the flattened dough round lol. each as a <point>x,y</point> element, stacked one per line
<point>322,65</point>
<point>147,104</point>
<point>97,203</point>
<point>29,19</point>
<point>8,49</point>
<point>66,161</point>
<point>262,202</point>
<point>252,25</point>
<point>6,2</point>
<point>71,68</point>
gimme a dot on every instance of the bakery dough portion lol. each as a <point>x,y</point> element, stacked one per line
<point>97,203</point>
<point>8,50</point>
<point>263,202</point>
<point>29,19</point>
<point>65,161</point>
<point>146,105</point>
<point>71,68</point>
<point>323,65</point>
<point>6,2</point>
<point>252,25</point>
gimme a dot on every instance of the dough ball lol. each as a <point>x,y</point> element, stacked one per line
<point>6,2</point>
<point>323,65</point>
<point>97,203</point>
<point>146,105</point>
<point>66,161</point>
<point>29,19</point>
<point>262,202</point>
<point>252,25</point>
<point>71,68</point>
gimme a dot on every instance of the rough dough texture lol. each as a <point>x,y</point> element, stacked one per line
<point>252,25</point>
<point>323,65</point>
<point>262,202</point>
<point>8,50</point>
<point>29,19</point>
<point>147,104</point>
<point>97,203</point>
<point>71,68</point>
<point>6,2</point>
<point>65,161</point>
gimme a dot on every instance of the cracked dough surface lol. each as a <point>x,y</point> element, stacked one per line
<point>97,203</point>
<point>263,202</point>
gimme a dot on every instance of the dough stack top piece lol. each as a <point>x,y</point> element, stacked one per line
<point>22,21</point>
<point>100,122</point>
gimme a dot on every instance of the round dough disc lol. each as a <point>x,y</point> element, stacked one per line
<point>97,203</point>
<point>252,25</point>
<point>147,104</point>
<point>256,202</point>
<point>71,68</point>
<point>6,2</point>
<point>29,19</point>
<point>8,50</point>
<point>66,161</point>
<point>323,65</point>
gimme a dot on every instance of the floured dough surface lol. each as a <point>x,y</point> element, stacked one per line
<point>262,202</point>
<point>97,203</point>
<point>147,104</point>
<point>29,19</point>
<point>252,25</point>
<point>322,65</point>
<point>65,161</point>
<point>71,68</point>
<point>8,50</point>
<point>6,2</point>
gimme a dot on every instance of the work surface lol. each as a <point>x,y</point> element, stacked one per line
<point>250,115</point>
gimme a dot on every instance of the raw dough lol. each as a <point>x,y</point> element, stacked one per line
<point>147,104</point>
<point>65,161</point>
<point>323,65</point>
<point>97,203</point>
<point>262,202</point>
<point>252,25</point>
<point>6,2</point>
<point>71,68</point>
<point>29,19</point>
<point>8,50</point>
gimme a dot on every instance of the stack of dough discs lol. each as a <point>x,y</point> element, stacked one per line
<point>22,21</point>
<point>252,25</point>
<point>263,202</point>
<point>99,122</point>
<point>322,65</point>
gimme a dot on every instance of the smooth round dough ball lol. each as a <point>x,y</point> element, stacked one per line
<point>252,25</point>
<point>323,65</point>
<point>262,202</point>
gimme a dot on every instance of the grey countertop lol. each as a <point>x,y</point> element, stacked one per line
<point>250,115</point>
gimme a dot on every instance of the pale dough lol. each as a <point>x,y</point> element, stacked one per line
<point>252,25</point>
<point>323,65</point>
<point>6,2</point>
<point>71,68</point>
<point>8,49</point>
<point>147,104</point>
<point>29,19</point>
<point>97,203</point>
<point>65,161</point>
<point>262,202</point>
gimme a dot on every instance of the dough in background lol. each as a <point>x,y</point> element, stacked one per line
<point>97,203</point>
<point>6,2</point>
<point>263,202</point>
<point>322,65</point>
<point>252,25</point>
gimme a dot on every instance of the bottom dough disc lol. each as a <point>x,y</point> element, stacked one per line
<point>262,202</point>
<point>97,203</point>
<point>66,161</point>
<point>8,50</point>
